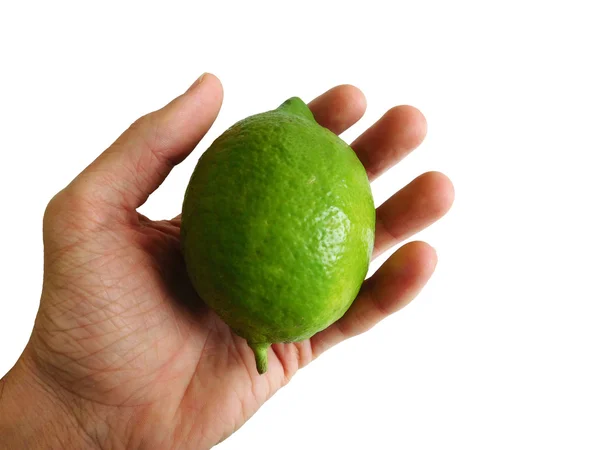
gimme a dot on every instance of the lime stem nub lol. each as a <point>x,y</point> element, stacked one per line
<point>296,106</point>
<point>261,356</point>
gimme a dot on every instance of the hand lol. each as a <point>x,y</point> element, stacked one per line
<point>117,345</point>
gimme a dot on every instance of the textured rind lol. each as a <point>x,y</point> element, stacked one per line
<point>278,226</point>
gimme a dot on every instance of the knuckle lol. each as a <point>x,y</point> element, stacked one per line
<point>54,207</point>
<point>76,200</point>
<point>140,122</point>
<point>144,124</point>
<point>148,131</point>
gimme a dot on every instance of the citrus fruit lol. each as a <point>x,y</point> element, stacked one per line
<point>277,227</point>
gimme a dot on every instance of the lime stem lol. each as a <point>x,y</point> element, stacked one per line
<point>297,107</point>
<point>261,356</point>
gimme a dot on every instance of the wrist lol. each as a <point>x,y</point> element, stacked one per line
<point>34,416</point>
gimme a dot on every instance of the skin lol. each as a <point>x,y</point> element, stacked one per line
<point>118,359</point>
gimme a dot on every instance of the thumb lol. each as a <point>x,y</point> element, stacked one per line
<point>125,174</point>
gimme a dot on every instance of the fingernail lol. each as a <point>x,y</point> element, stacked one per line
<point>197,82</point>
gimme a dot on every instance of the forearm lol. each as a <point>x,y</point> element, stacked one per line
<point>32,418</point>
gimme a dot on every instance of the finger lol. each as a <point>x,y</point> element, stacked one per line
<point>392,287</point>
<point>390,139</point>
<point>412,209</point>
<point>339,108</point>
<point>176,220</point>
<point>138,162</point>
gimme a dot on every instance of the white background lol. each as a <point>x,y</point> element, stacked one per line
<point>501,350</point>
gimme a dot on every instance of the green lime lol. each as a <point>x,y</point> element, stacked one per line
<point>277,227</point>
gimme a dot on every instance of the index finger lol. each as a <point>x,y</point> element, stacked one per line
<point>339,108</point>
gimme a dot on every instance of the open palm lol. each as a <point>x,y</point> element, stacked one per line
<point>120,336</point>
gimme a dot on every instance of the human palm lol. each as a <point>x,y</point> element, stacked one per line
<point>121,336</point>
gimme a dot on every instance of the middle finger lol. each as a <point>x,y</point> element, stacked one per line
<point>391,138</point>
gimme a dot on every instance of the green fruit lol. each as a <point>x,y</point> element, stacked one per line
<point>277,227</point>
